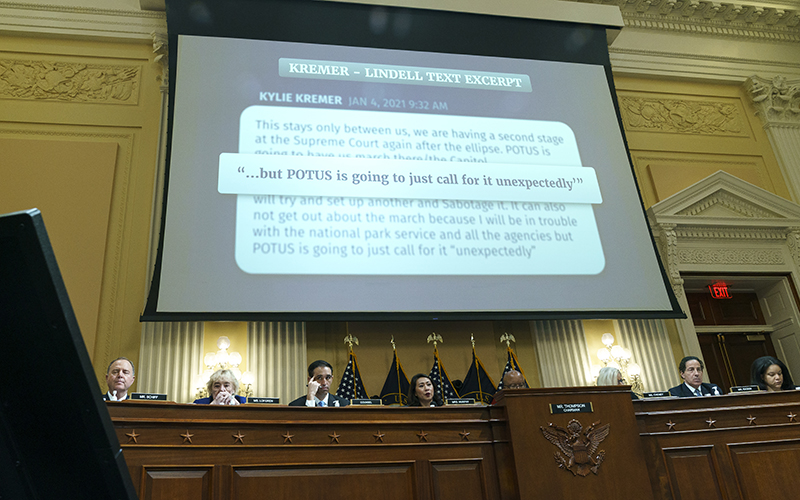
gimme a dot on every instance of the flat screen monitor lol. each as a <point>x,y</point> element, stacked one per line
<point>341,161</point>
<point>56,436</point>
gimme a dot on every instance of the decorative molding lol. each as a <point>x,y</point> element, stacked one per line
<point>772,21</point>
<point>730,202</point>
<point>727,256</point>
<point>110,24</point>
<point>681,116</point>
<point>69,81</point>
<point>730,233</point>
<point>777,100</point>
<point>82,10</point>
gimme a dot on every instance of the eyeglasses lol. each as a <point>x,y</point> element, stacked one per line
<point>515,386</point>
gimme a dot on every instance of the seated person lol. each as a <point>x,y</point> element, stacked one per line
<point>691,370</point>
<point>119,378</point>
<point>422,393</point>
<point>514,380</point>
<point>612,376</point>
<point>320,376</point>
<point>222,388</point>
<point>770,374</point>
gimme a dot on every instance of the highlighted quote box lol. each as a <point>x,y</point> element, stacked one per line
<point>327,191</point>
<point>357,177</point>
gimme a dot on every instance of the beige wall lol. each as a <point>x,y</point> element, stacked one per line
<point>680,132</point>
<point>79,125</point>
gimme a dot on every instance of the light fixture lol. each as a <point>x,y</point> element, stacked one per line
<point>223,360</point>
<point>618,357</point>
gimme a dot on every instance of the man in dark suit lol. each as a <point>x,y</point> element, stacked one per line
<point>320,376</point>
<point>119,378</point>
<point>691,369</point>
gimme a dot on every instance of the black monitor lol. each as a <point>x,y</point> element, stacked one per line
<point>56,436</point>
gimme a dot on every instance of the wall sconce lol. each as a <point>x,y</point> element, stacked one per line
<point>619,358</point>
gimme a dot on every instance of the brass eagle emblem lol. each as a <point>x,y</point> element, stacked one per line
<point>577,448</point>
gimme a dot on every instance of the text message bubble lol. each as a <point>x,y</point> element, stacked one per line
<point>337,235</point>
<point>402,228</point>
<point>359,177</point>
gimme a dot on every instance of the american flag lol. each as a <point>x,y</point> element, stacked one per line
<point>351,387</point>
<point>441,382</point>
<point>511,364</point>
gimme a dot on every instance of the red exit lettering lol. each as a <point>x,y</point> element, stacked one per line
<point>720,291</point>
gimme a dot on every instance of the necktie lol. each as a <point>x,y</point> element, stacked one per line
<point>697,392</point>
<point>321,403</point>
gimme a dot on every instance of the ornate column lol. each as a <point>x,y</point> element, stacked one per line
<point>777,102</point>
<point>667,240</point>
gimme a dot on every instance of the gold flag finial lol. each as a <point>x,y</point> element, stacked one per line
<point>394,348</point>
<point>350,340</point>
<point>435,338</point>
<point>508,339</point>
<point>472,339</point>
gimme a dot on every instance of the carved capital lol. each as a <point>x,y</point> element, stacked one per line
<point>161,50</point>
<point>793,243</point>
<point>668,239</point>
<point>777,100</point>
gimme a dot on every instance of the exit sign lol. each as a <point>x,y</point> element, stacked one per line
<point>720,291</point>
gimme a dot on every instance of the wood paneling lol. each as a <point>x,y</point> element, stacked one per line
<point>457,479</point>
<point>732,447</point>
<point>175,483</point>
<point>332,481</point>
<point>692,472</point>
<point>757,466</point>
<point>737,446</point>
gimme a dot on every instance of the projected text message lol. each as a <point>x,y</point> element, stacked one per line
<point>356,177</point>
<point>409,194</point>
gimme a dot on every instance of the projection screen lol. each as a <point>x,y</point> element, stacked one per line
<point>338,161</point>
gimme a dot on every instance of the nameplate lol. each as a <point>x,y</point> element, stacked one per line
<point>264,401</point>
<point>571,408</point>
<point>366,402</point>
<point>657,394</point>
<point>147,396</point>
<point>745,388</point>
<point>459,401</point>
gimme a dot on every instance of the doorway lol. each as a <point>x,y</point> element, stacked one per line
<point>734,331</point>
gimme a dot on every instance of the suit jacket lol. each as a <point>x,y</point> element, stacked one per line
<point>127,397</point>
<point>301,401</point>
<point>683,392</point>
<point>207,401</point>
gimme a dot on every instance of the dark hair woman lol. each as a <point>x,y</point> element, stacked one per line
<point>770,374</point>
<point>421,392</point>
